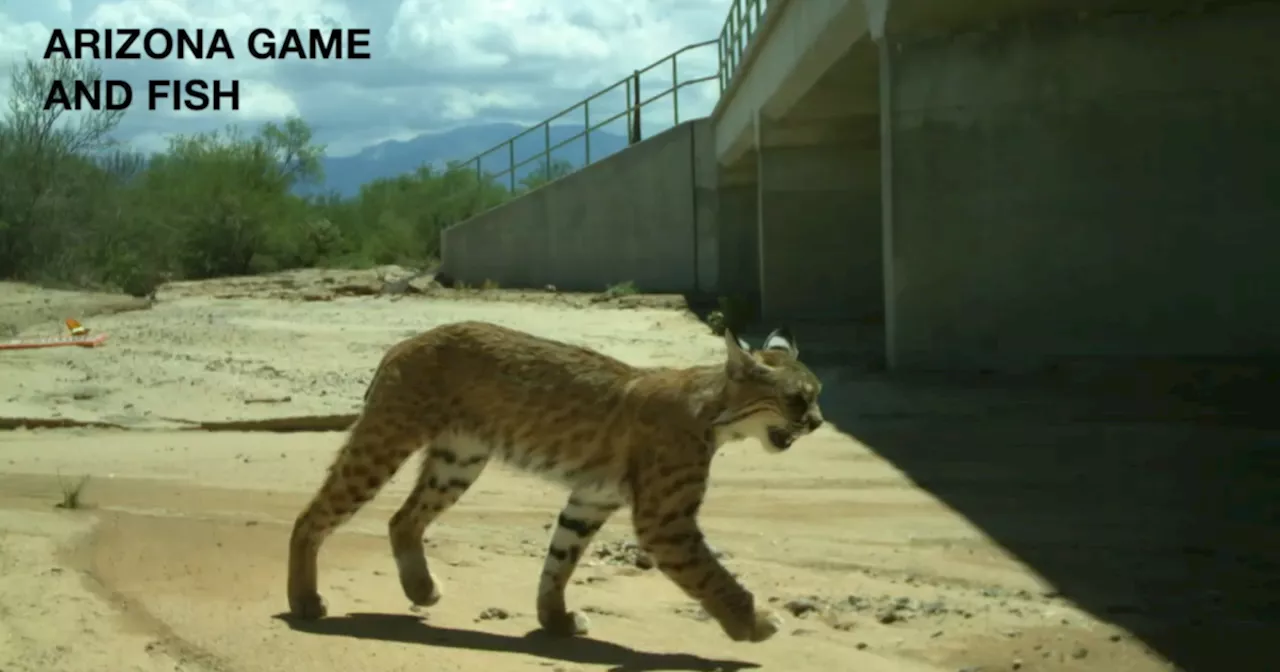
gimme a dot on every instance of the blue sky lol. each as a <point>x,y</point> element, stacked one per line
<point>436,64</point>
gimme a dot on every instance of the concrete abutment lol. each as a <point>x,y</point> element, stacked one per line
<point>1084,189</point>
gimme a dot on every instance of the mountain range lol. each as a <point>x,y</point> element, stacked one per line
<point>345,174</point>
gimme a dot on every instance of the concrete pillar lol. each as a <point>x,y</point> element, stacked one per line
<point>736,218</point>
<point>820,247</point>
<point>884,54</point>
<point>706,205</point>
<point>1096,188</point>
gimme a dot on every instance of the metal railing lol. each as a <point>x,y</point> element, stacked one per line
<point>634,105</point>
<point>740,26</point>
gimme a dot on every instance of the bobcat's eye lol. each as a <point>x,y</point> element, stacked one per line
<point>797,404</point>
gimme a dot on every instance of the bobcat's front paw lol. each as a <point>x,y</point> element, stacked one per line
<point>767,625</point>
<point>762,625</point>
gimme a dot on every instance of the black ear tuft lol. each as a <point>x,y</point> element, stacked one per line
<point>731,339</point>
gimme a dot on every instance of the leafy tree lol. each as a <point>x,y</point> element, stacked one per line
<point>47,159</point>
<point>548,172</point>
<point>77,209</point>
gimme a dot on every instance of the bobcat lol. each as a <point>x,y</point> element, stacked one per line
<point>615,434</point>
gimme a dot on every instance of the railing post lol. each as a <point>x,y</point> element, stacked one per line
<point>739,40</point>
<point>675,90</point>
<point>511,163</point>
<point>546,148</point>
<point>639,106</point>
<point>726,60</point>
<point>720,56</point>
<point>631,113</point>
<point>732,38</point>
<point>586,139</point>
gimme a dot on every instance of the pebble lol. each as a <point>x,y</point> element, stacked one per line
<point>802,606</point>
<point>494,614</point>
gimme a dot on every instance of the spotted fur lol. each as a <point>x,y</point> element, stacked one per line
<point>615,434</point>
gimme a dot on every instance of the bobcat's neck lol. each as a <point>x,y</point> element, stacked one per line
<point>704,390</point>
<point>698,392</point>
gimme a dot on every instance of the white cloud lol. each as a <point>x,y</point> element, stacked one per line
<point>436,63</point>
<point>19,37</point>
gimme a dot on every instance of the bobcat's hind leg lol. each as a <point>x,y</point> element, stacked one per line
<point>585,513</point>
<point>371,455</point>
<point>449,467</point>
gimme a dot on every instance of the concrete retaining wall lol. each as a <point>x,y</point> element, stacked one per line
<point>646,215</point>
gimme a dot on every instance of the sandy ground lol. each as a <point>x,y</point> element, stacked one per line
<point>177,560</point>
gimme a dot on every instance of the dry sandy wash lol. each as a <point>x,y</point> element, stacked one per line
<point>177,559</point>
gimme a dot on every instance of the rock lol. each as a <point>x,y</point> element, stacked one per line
<point>888,616</point>
<point>494,614</point>
<point>802,606</point>
<point>858,603</point>
<point>933,608</point>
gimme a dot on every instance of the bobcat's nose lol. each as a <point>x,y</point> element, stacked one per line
<point>814,422</point>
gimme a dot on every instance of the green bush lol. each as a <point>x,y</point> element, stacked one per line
<point>77,209</point>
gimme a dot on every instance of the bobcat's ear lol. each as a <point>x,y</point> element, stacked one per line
<point>740,364</point>
<point>781,339</point>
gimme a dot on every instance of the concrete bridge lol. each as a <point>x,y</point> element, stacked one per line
<point>1036,185</point>
<point>989,184</point>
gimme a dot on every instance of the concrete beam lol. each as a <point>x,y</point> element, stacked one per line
<point>847,131</point>
<point>922,18</point>
<point>861,131</point>
<point>741,173</point>
<point>799,44</point>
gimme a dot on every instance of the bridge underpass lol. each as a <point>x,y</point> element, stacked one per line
<point>1084,190</point>
<point>1009,186</point>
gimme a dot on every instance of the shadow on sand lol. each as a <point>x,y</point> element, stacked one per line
<point>411,629</point>
<point>1162,522</point>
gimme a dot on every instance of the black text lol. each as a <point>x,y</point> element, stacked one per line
<point>311,44</point>
<point>133,44</point>
<point>193,94</point>
<point>99,94</point>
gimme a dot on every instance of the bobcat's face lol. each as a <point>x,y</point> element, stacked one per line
<point>771,395</point>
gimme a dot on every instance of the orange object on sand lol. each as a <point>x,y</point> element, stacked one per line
<point>54,342</point>
<point>79,337</point>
